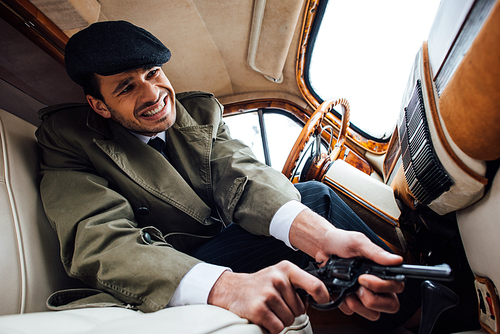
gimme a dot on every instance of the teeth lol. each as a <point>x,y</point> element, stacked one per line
<point>155,111</point>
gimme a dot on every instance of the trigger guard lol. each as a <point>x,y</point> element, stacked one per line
<point>325,307</point>
<point>331,305</point>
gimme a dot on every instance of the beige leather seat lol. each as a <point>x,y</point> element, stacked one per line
<point>480,234</point>
<point>30,268</point>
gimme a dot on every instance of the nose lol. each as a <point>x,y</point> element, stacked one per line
<point>148,93</point>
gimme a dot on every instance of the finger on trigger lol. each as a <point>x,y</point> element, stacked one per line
<point>312,285</point>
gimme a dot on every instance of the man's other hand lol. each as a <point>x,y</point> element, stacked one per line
<point>315,236</point>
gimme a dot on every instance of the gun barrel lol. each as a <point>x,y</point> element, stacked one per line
<point>441,272</point>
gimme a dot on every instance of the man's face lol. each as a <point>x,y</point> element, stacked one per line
<point>141,100</point>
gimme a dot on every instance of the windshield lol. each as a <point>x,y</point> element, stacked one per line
<point>364,51</point>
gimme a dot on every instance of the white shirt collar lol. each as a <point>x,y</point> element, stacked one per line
<point>145,139</point>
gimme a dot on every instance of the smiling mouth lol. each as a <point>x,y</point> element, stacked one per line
<point>155,111</point>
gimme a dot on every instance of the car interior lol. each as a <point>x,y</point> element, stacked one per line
<point>426,184</point>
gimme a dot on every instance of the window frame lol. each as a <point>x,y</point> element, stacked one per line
<point>262,124</point>
<point>316,25</point>
<point>356,139</point>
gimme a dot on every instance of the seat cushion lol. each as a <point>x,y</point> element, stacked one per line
<point>193,319</point>
<point>185,320</point>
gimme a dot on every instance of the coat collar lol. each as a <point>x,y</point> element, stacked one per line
<point>98,123</point>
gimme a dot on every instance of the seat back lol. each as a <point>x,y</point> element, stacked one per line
<point>30,267</point>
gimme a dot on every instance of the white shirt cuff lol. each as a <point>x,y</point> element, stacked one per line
<point>283,219</point>
<point>196,285</point>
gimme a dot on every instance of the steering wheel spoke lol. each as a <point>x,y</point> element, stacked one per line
<point>313,126</point>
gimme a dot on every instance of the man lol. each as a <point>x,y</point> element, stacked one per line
<point>138,224</point>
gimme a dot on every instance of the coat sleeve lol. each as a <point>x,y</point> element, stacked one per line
<point>248,191</point>
<point>100,240</point>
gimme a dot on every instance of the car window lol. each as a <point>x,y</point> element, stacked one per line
<point>245,127</point>
<point>364,51</point>
<point>269,133</point>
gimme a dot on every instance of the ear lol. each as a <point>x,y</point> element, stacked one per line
<point>98,106</point>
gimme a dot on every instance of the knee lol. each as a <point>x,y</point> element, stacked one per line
<point>317,196</point>
<point>313,187</point>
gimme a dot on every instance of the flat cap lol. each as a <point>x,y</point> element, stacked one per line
<point>112,47</point>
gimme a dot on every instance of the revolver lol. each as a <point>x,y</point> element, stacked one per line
<point>341,275</point>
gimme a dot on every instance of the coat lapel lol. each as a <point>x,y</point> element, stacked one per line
<point>148,168</point>
<point>189,146</point>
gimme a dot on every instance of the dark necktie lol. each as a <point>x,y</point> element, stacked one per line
<point>159,145</point>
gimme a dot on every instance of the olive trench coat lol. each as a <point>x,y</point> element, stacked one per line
<point>125,215</point>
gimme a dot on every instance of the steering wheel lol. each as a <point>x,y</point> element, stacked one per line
<point>313,126</point>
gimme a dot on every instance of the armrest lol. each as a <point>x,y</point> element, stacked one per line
<point>372,200</point>
<point>370,193</point>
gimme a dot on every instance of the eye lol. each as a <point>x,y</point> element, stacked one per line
<point>153,72</point>
<point>127,89</point>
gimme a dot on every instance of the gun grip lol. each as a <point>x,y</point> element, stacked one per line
<point>436,298</point>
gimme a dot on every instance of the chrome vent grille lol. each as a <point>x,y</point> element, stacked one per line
<point>424,174</point>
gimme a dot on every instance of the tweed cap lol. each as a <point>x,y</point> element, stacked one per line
<point>112,47</point>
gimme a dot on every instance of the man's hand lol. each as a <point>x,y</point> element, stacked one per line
<point>267,297</point>
<point>314,235</point>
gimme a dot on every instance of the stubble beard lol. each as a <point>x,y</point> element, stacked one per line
<point>147,131</point>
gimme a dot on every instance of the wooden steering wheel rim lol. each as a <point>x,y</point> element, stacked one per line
<point>313,126</point>
<point>344,124</point>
